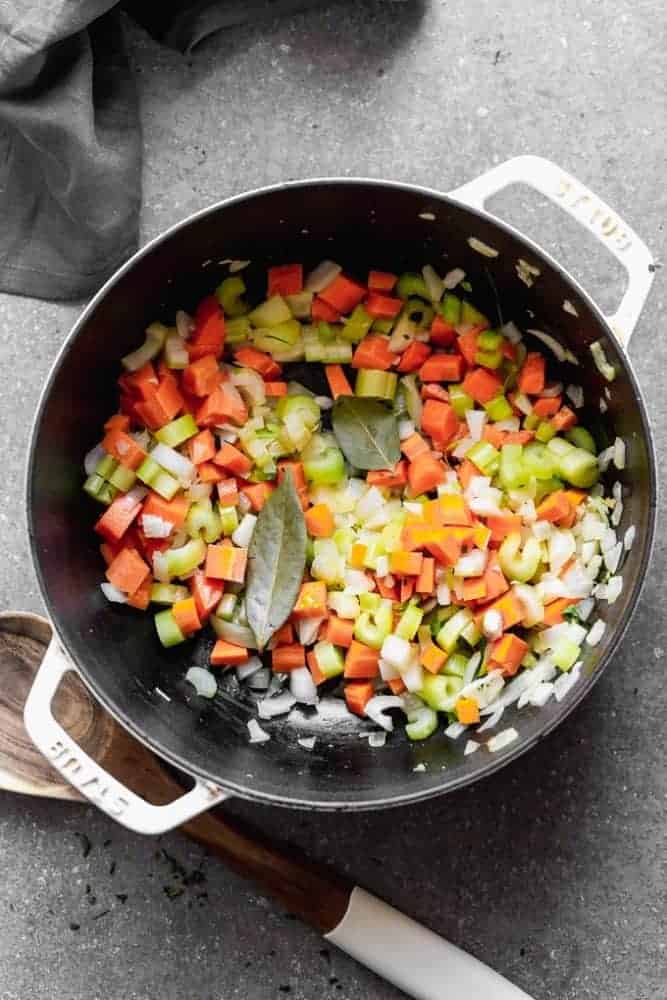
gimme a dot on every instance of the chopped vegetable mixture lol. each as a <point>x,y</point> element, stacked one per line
<point>429,536</point>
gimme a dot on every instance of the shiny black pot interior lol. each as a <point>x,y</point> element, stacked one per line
<point>360,224</point>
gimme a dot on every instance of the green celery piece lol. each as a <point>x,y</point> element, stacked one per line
<point>531,422</point>
<point>409,622</point>
<point>382,325</point>
<point>375,383</point>
<point>489,359</point>
<point>330,660</point>
<point>166,485</point>
<point>177,431</point>
<point>422,724</point>
<point>410,284</point>
<point>498,409</point>
<point>93,485</point>
<point>440,691</point>
<point>471,315</point>
<point>186,558</point>
<point>370,602</point>
<point>226,607</point>
<point>357,326</point>
<point>168,631</point>
<point>471,634</point>
<point>460,400</point>
<point>512,472</point>
<point>106,466</point>
<point>450,309</point>
<point>485,457</point>
<point>123,478</point>
<point>237,330</point>
<point>538,460</point>
<point>419,313</point>
<point>582,438</point>
<point>229,519</point>
<point>373,627</point>
<point>203,520</point>
<point>271,313</point>
<point>304,406</point>
<point>519,563</point>
<point>579,468</point>
<point>156,334</point>
<point>168,593</point>
<point>107,493</point>
<point>448,634</point>
<point>545,431</point>
<point>230,296</point>
<point>565,654</point>
<point>490,340</point>
<point>456,665</point>
<point>148,471</point>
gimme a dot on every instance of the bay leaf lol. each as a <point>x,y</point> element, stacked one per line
<point>276,561</point>
<point>367,432</point>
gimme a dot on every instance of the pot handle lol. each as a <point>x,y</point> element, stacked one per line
<point>96,784</point>
<point>598,218</point>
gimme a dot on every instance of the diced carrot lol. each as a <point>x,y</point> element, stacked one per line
<point>225,562</point>
<point>357,696</point>
<point>466,471</point>
<point>406,563</point>
<point>320,521</point>
<point>202,377</point>
<point>296,468</point>
<point>494,578</point>
<point>233,460</point>
<point>141,598</point>
<point>396,685</point>
<point>250,357</point>
<point>483,385</point>
<point>442,368</point>
<point>575,497</point>
<point>426,580</point>
<point>174,510</point>
<point>564,419</point>
<point>210,473</point>
<point>519,437</point>
<point>312,600</point>
<point>361,661</point>
<point>454,509</point>
<point>398,476</point>
<point>258,494</point>
<point>407,588</point>
<point>389,593</point>
<point>207,593</point>
<point>117,518</point>
<point>439,420</point>
<point>337,379</point>
<point>201,447</point>
<point>128,571</point>
<point>474,588</point>
<point>151,413</point>
<point>444,547</point>
<point>275,389</point>
<point>185,613</point>
<point>431,390</point>
<point>141,383</point>
<point>224,404</point>
<point>285,279</point>
<point>228,492</point>
<point>381,281</point>
<point>555,508</point>
<point>343,294</point>
<point>321,310</point>
<point>553,612</point>
<point>413,446</point>
<point>168,395</point>
<point>532,374</point>
<point>467,344</point>
<point>209,333</point>
<point>285,658</point>
<point>467,711</point>
<point>508,606</point>
<point>442,333</point>
<point>109,552</point>
<point>425,473</point>
<point>481,536</point>
<point>413,357</point>
<point>433,658</point>
<point>316,673</point>
<point>123,448</point>
<point>502,525</point>
<point>507,653</point>
<point>373,352</point>
<point>118,422</point>
<point>494,436</point>
<point>547,406</point>
<point>339,631</point>
<point>382,306</point>
<point>284,636</point>
<point>227,654</point>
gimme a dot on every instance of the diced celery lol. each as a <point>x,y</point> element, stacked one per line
<point>344,539</point>
<point>165,484</point>
<point>437,618</point>
<point>490,340</point>
<point>304,405</point>
<point>168,631</point>
<point>538,461</point>
<point>300,304</point>
<point>517,563</point>
<point>582,438</point>
<point>379,384</point>
<point>345,605</point>
<point>382,325</point>
<point>460,400</point>
<point>328,564</point>
<point>391,534</point>
<point>370,602</point>
<point>330,660</point>
<point>237,330</point>
<point>413,400</point>
<point>421,724</point>
<point>511,471</point>
<point>565,654</point>
<point>203,520</point>
<point>226,607</point>
<point>93,485</point>
<point>175,352</point>
<point>156,334</point>
<point>485,457</point>
<point>531,422</point>
<point>183,560</point>
<point>229,294</point>
<point>373,627</point>
<point>123,478</point>
<point>357,326</point>
<point>409,622</point>
<point>148,470</point>
<point>545,431</point>
<point>271,313</point>
<point>229,520</point>
<point>177,431</point>
<point>440,691</point>
<point>489,359</point>
<point>280,338</point>
<point>471,315</point>
<point>168,593</point>
<point>332,351</point>
<point>107,493</point>
<point>456,665</point>
<point>323,463</point>
<point>543,487</point>
<point>498,409</point>
<point>579,468</point>
<point>450,309</point>
<point>471,634</point>
<point>106,466</point>
<point>448,635</point>
<point>419,313</point>
<point>410,284</point>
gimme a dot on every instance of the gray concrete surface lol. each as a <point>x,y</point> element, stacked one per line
<point>553,872</point>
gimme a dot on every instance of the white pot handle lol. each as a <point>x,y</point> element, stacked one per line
<point>589,210</point>
<point>412,957</point>
<point>103,790</point>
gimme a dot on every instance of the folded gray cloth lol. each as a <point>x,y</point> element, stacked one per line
<point>70,141</point>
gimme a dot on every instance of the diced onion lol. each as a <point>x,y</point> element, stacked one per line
<point>612,557</point>
<point>93,458</point>
<point>596,633</point>
<point>321,276</point>
<point>154,526</point>
<point>619,453</point>
<point>260,680</point>
<point>629,538</point>
<point>378,705</point>
<point>199,491</point>
<point>257,734</point>
<point>454,278</point>
<point>280,704</point>
<point>552,390</point>
<point>388,671</point>
<point>377,740</point>
<point>413,677</point>
<point>303,686</point>
<point>202,681</point>
<point>575,394</point>
<point>406,429</point>
<point>307,629</point>
<point>471,668</point>
<point>562,353</point>
<point>113,594</point>
<point>463,447</point>
<point>434,283</point>
<point>307,742</point>
<point>492,720</point>
<point>454,730</point>
<point>606,369</point>
<point>482,248</point>
<point>502,740</point>
<point>512,332</point>
<point>174,462</point>
<point>471,564</point>
<point>492,624</point>
<point>247,669</point>
<point>614,588</point>
<point>234,632</point>
<point>243,534</point>
<point>185,324</point>
<point>470,747</point>
<point>160,571</point>
<point>476,420</point>
<point>324,402</point>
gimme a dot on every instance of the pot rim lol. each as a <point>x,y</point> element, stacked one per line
<point>514,750</point>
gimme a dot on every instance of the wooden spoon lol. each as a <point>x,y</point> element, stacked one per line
<point>418,961</point>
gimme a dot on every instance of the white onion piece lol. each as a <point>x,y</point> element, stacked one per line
<point>575,394</point>
<point>596,633</point>
<point>93,458</point>
<point>174,462</point>
<point>113,594</point>
<point>512,332</point>
<point>154,526</point>
<point>492,720</point>
<point>470,747</point>
<point>307,629</point>
<point>553,389</point>
<point>454,730</point>
<point>202,681</point>
<point>476,420</point>
<point>199,491</point>
<point>511,424</point>
<point>619,453</point>
<point>454,278</point>
<point>563,684</point>
<point>539,695</point>
<point>443,594</point>
<point>485,689</point>
<point>136,494</point>
<point>185,324</point>
<point>585,607</point>
<point>605,457</point>
<point>434,283</point>
<point>562,353</point>
<point>303,686</point>
<point>502,740</point>
<point>472,666</point>
<point>243,534</point>
<point>378,705</point>
<point>260,680</point>
<point>324,402</point>
<point>492,625</point>
<point>257,734</point>
<point>614,588</point>
<point>561,548</point>
<point>388,671</point>
<point>472,564</point>
<point>377,740</point>
<point>321,276</point>
<point>160,571</point>
<point>405,429</point>
<point>463,447</point>
<point>523,404</point>
<point>280,704</point>
<point>482,248</point>
<point>247,669</point>
<point>612,557</point>
<point>307,742</point>
<point>413,677</point>
<point>606,369</point>
<point>234,632</point>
